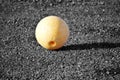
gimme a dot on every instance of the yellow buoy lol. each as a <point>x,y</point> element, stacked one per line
<point>52,32</point>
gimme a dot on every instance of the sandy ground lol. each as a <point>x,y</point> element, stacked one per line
<point>91,53</point>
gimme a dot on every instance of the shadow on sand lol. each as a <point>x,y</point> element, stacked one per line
<point>104,45</point>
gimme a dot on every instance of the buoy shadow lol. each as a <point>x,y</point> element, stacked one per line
<point>86,46</point>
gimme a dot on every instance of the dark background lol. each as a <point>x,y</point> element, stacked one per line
<point>91,53</point>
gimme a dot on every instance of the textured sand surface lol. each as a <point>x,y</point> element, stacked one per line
<point>91,53</point>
